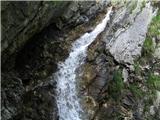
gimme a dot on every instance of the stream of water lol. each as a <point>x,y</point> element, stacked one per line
<point>69,107</point>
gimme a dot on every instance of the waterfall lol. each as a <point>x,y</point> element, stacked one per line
<point>68,104</point>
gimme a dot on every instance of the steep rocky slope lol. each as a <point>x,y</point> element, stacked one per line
<point>35,36</point>
<point>120,77</point>
<point>22,20</point>
<point>119,81</point>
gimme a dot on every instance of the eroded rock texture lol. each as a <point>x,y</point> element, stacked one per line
<point>128,44</point>
<point>22,20</point>
<point>38,35</point>
<point>35,36</point>
<point>107,93</point>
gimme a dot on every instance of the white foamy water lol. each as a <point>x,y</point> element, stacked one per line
<point>68,104</point>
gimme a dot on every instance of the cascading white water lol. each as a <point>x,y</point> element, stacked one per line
<point>68,104</point>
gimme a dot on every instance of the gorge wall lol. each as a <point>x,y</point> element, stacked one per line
<point>119,78</point>
<point>35,36</point>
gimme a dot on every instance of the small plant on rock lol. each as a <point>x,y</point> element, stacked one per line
<point>116,86</point>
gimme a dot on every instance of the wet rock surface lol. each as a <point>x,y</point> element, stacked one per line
<point>27,90</point>
<point>113,85</point>
<point>12,95</point>
<point>22,20</point>
<point>39,102</point>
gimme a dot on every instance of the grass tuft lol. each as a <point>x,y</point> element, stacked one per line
<point>154,28</point>
<point>153,81</point>
<point>148,48</point>
<point>137,68</point>
<point>117,85</point>
<point>136,91</point>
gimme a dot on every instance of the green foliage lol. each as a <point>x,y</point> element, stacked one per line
<point>143,3</point>
<point>136,91</point>
<point>57,3</point>
<point>153,81</point>
<point>117,77</point>
<point>137,68</point>
<point>154,28</point>
<point>116,85</point>
<point>148,48</point>
<point>133,6</point>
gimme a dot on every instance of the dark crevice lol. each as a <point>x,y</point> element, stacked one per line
<point>30,58</point>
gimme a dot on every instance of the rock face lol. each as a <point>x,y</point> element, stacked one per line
<point>110,87</point>
<point>22,20</point>
<point>35,36</point>
<point>12,93</point>
<point>128,44</point>
<point>19,102</point>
